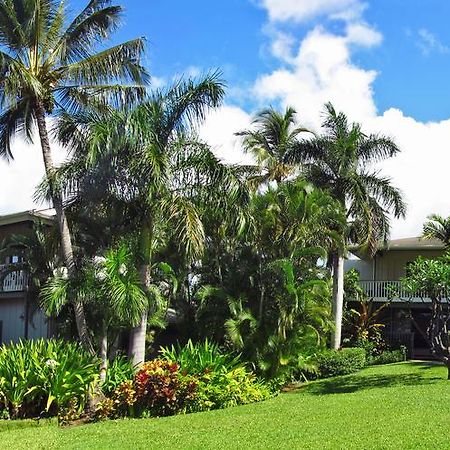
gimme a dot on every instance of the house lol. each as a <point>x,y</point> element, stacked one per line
<point>20,315</point>
<point>405,318</point>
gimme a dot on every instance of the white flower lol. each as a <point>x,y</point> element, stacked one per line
<point>123,269</point>
<point>100,275</point>
<point>51,363</point>
<point>61,272</point>
<point>99,260</point>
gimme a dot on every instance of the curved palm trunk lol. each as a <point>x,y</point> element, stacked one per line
<point>338,298</point>
<point>136,350</point>
<point>66,241</point>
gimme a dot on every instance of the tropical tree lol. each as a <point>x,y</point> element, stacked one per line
<point>109,285</point>
<point>49,65</point>
<point>430,278</point>
<point>271,300</point>
<point>147,160</point>
<point>437,227</point>
<point>274,134</point>
<point>339,161</point>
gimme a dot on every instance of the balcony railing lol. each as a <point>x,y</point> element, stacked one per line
<point>14,281</point>
<point>390,291</point>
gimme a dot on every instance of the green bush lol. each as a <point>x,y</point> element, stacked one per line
<point>119,370</point>
<point>162,388</point>
<point>341,362</point>
<point>200,358</point>
<point>45,377</point>
<point>224,388</point>
<point>389,357</point>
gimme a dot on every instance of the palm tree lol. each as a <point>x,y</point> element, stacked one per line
<point>48,65</point>
<point>274,135</point>
<point>145,160</point>
<point>339,161</point>
<point>437,227</point>
<point>111,284</point>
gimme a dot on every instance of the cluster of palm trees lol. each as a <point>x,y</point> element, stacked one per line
<point>245,243</point>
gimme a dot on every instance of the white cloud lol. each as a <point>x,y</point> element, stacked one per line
<point>302,10</point>
<point>20,177</point>
<point>429,43</point>
<point>362,34</point>
<point>219,131</point>
<point>322,69</point>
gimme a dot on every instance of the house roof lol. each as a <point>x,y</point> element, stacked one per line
<point>44,215</point>
<point>415,243</point>
<point>411,243</point>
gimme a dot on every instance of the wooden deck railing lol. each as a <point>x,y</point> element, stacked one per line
<point>389,290</point>
<point>14,281</point>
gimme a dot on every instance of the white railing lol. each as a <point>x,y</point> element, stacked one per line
<point>389,290</point>
<point>14,281</point>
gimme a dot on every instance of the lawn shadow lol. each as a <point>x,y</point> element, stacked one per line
<point>358,382</point>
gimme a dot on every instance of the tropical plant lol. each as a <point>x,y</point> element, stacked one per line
<point>144,160</point>
<point>200,358</point>
<point>437,227</point>
<point>273,136</point>
<point>120,370</point>
<point>111,284</point>
<point>339,161</point>
<point>49,67</point>
<point>273,290</point>
<point>332,363</point>
<point>43,377</point>
<point>430,278</point>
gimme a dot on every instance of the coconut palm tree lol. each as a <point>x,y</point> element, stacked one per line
<point>146,160</point>
<point>48,65</point>
<point>339,161</point>
<point>437,227</point>
<point>274,134</point>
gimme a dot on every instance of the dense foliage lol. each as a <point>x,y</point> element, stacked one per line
<point>341,362</point>
<point>162,387</point>
<point>45,377</point>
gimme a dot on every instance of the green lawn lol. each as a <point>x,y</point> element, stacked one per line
<point>398,406</point>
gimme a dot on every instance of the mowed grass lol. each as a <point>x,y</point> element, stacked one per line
<point>397,406</point>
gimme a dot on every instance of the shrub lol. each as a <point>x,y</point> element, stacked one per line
<point>45,377</point>
<point>161,388</point>
<point>390,356</point>
<point>200,358</point>
<point>120,369</point>
<point>224,388</point>
<point>341,362</point>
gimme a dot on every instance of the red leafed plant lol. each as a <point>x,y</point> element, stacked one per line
<point>161,390</point>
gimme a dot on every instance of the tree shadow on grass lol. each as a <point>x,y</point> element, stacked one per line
<point>358,382</point>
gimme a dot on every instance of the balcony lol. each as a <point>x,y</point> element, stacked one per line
<point>14,281</point>
<point>383,291</point>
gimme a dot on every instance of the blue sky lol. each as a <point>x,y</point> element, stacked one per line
<point>385,63</point>
<point>232,35</point>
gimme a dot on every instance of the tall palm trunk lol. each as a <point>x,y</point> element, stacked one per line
<point>338,298</point>
<point>66,241</point>
<point>136,350</point>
